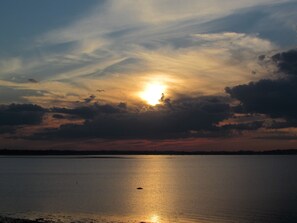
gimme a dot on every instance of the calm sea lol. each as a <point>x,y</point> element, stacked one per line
<point>203,189</point>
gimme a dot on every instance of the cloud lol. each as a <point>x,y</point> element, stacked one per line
<point>11,94</point>
<point>58,116</point>
<point>7,129</point>
<point>282,124</point>
<point>286,63</point>
<point>119,43</point>
<point>10,65</point>
<point>195,48</point>
<point>90,98</point>
<point>186,117</point>
<point>275,22</point>
<point>91,111</point>
<point>244,126</point>
<point>274,97</point>
<point>32,80</point>
<point>20,114</point>
<point>279,135</point>
<point>246,42</point>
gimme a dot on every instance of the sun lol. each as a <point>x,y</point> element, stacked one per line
<point>152,94</point>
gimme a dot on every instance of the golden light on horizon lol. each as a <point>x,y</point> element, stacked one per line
<point>152,94</point>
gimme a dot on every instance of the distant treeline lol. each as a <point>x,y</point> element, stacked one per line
<point>117,152</point>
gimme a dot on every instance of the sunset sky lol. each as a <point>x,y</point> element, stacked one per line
<point>148,74</point>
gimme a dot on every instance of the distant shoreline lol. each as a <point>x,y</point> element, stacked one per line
<point>8,152</point>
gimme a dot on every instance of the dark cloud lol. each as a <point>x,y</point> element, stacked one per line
<point>187,117</point>
<point>89,99</point>
<point>244,126</point>
<point>287,62</point>
<point>278,135</point>
<point>262,57</point>
<point>58,116</point>
<point>33,80</point>
<point>7,129</point>
<point>282,124</point>
<point>276,98</point>
<point>91,111</point>
<point>122,105</point>
<point>273,97</point>
<point>20,114</point>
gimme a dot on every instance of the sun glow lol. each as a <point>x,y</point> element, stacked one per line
<point>152,94</point>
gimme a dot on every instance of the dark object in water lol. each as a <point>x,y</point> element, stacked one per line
<point>139,188</point>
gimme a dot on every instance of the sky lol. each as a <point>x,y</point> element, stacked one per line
<point>148,74</point>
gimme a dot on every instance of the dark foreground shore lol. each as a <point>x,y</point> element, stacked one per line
<point>68,219</point>
<point>18,220</point>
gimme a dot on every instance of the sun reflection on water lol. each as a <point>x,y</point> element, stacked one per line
<point>153,202</point>
<point>155,219</point>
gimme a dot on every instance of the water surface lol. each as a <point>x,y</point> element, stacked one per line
<point>210,189</point>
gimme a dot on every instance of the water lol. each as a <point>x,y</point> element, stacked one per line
<point>206,189</point>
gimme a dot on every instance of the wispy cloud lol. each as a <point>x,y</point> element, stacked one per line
<point>120,42</point>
